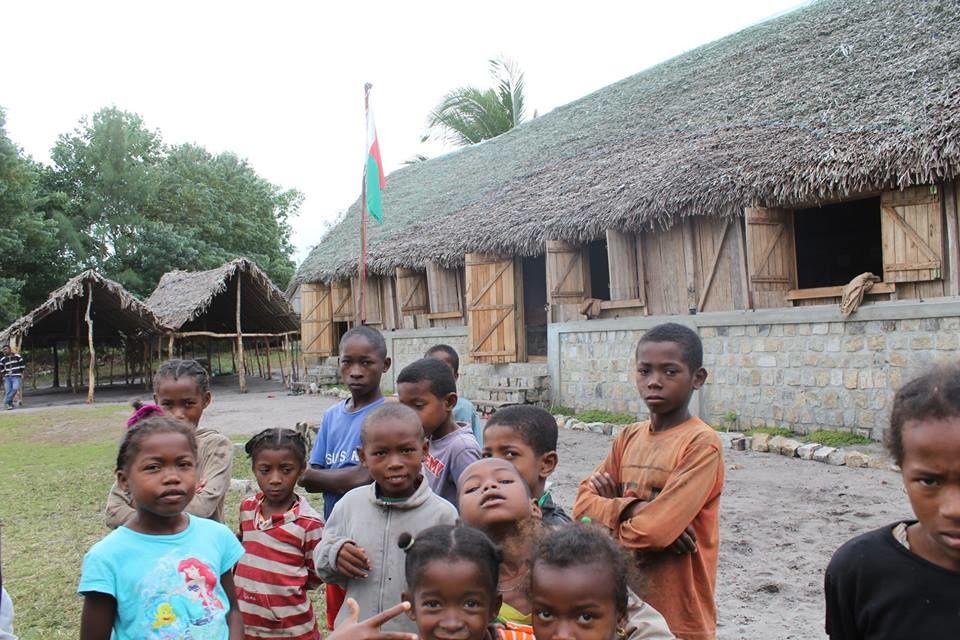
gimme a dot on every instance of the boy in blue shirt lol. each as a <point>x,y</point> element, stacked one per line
<point>334,463</point>
<point>464,411</point>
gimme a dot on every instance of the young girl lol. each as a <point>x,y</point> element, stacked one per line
<point>165,573</point>
<point>903,580</point>
<point>182,388</point>
<point>495,499</point>
<point>279,531</point>
<point>452,577</point>
<point>578,588</point>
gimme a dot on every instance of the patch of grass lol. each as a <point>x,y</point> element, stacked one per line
<point>605,416</point>
<point>562,410</point>
<point>772,431</point>
<point>836,438</point>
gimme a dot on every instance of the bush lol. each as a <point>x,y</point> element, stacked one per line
<point>836,438</point>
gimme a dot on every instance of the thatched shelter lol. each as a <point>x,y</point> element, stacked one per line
<point>234,301</point>
<point>88,310</point>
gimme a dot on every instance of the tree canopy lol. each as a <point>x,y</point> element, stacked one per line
<point>468,115</point>
<point>116,198</point>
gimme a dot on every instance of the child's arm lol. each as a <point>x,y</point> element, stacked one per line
<point>234,617</point>
<point>119,507</point>
<point>313,535</point>
<point>658,523</point>
<point>99,613</point>
<point>215,471</point>
<point>327,554</point>
<point>598,496</point>
<point>369,629</point>
<point>316,480</point>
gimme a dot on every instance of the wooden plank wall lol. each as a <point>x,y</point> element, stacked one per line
<point>912,224</point>
<point>568,281</point>
<point>771,256</point>
<point>664,263</point>
<point>412,300</point>
<point>371,300</point>
<point>388,299</point>
<point>342,296</point>
<point>717,256</point>
<point>316,327</point>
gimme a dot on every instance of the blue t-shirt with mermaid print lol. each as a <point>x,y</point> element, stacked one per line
<point>166,586</point>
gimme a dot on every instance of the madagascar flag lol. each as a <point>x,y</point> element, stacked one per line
<point>374,181</point>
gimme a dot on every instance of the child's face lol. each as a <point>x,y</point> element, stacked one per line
<point>444,357</point>
<point>664,380</point>
<point>931,476</point>
<point>361,366</point>
<point>505,443</point>
<point>434,412</point>
<point>181,398</point>
<point>277,472</point>
<point>393,451</point>
<point>492,493</point>
<point>162,476</point>
<point>450,601</point>
<point>573,603</point>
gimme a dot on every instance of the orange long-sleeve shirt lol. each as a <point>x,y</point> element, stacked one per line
<point>680,472</point>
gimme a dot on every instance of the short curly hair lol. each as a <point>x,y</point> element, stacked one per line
<point>933,395</point>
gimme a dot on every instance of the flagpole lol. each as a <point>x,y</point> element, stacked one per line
<point>363,213</point>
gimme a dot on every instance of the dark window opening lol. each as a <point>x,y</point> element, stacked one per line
<point>599,270</point>
<point>339,328</point>
<point>838,242</point>
<point>535,304</point>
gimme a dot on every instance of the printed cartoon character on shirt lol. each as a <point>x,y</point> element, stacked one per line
<point>200,582</point>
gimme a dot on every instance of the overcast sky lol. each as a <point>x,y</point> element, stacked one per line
<point>281,83</point>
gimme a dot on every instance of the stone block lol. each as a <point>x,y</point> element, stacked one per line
<point>774,444</point>
<point>789,447</point>
<point>921,343</point>
<point>877,343</point>
<point>821,454</point>
<point>739,444</point>
<point>856,459</point>
<point>761,442</point>
<point>806,451</point>
<point>853,343</point>
<point>837,458</point>
<point>850,378</point>
<point>819,328</point>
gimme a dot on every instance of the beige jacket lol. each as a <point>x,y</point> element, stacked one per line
<point>214,463</point>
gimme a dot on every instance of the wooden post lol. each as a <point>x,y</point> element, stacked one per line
<point>92,371</point>
<point>280,357</point>
<point>689,263</point>
<point>269,366</point>
<point>256,353</point>
<point>56,366</point>
<point>219,365</point>
<point>170,346</point>
<point>949,206</point>
<point>242,373</point>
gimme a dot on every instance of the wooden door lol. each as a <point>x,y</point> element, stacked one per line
<point>316,319</point>
<point>494,309</point>
<point>665,270</point>
<point>568,280</point>
<point>342,301</point>
<point>911,225</point>
<point>412,297</point>
<point>371,300</point>
<point>771,256</point>
<point>716,257</point>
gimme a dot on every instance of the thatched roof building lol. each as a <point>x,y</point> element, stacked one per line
<point>115,313</point>
<point>206,301</point>
<point>837,98</point>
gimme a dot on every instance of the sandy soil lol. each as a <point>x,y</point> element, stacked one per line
<point>781,520</point>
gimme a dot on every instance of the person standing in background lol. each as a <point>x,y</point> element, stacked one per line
<point>11,366</point>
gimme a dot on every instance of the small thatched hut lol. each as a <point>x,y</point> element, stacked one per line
<point>727,186</point>
<point>88,310</point>
<point>236,301</point>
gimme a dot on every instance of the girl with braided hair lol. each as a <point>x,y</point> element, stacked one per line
<point>182,389</point>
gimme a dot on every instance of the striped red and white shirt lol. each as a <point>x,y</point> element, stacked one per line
<point>274,574</point>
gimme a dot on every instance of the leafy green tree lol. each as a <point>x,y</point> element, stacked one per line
<point>468,115</point>
<point>29,245</point>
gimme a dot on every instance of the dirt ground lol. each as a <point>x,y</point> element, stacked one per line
<point>781,519</point>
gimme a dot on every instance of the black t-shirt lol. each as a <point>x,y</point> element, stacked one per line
<point>878,589</point>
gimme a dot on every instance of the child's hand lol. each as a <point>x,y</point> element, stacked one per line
<point>603,485</point>
<point>352,561</point>
<point>686,543</point>
<point>369,629</point>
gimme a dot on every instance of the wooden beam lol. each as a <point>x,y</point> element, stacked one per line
<point>170,347</point>
<point>689,249</point>
<point>636,303</point>
<point>879,288</point>
<point>242,372</point>
<point>92,365</point>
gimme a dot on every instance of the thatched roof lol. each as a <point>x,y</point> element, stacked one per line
<point>833,99</point>
<point>115,313</point>
<point>206,300</point>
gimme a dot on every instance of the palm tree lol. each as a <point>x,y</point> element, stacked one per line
<point>468,115</point>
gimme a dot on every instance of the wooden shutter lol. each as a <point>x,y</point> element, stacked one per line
<point>568,280</point>
<point>771,255</point>
<point>494,309</point>
<point>911,225</point>
<point>718,281</point>
<point>342,300</point>
<point>371,300</point>
<point>412,292</point>
<point>388,296</point>
<point>445,293</point>
<point>316,319</point>
<point>622,262</point>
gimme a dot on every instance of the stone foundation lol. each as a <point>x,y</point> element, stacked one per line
<point>803,368</point>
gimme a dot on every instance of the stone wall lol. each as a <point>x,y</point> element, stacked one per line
<point>805,368</point>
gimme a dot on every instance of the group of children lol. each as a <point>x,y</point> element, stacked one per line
<point>435,529</point>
